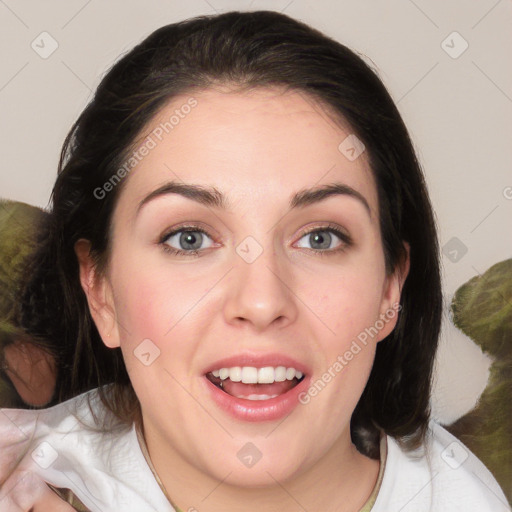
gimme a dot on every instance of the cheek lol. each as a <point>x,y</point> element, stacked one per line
<point>346,300</point>
<point>161,312</point>
<point>155,311</point>
<point>150,300</point>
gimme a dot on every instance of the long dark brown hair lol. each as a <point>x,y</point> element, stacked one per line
<point>244,50</point>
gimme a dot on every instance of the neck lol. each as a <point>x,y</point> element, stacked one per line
<point>342,480</point>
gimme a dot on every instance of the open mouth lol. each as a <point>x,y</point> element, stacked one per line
<point>251,383</point>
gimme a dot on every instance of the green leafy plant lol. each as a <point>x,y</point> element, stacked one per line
<point>482,309</point>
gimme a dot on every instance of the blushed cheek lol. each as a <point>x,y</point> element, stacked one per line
<point>157,306</point>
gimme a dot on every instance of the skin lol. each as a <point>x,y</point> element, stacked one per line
<point>258,148</point>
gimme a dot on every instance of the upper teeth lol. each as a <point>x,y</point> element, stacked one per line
<point>252,375</point>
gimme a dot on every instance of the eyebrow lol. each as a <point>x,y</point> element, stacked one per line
<point>212,197</point>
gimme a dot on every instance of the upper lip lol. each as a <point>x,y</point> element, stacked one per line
<point>258,361</point>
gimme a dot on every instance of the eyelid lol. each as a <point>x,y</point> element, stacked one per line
<point>338,231</point>
<point>185,227</point>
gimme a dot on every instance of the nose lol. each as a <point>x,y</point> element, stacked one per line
<point>260,294</point>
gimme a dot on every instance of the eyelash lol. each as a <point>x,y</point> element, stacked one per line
<point>180,252</point>
<point>332,228</point>
<point>346,240</point>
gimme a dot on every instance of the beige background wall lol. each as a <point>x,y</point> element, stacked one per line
<point>457,102</point>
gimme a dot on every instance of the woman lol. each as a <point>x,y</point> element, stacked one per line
<point>241,270</point>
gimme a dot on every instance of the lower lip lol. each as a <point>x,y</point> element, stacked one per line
<point>258,410</point>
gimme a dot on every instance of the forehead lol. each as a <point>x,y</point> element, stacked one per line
<point>257,147</point>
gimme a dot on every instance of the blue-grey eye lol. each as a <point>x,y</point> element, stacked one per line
<point>188,240</point>
<point>320,239</point>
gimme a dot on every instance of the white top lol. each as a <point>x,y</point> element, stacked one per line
<point>108,471</point>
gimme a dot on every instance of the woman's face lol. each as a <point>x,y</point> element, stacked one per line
<point>280,281</point>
